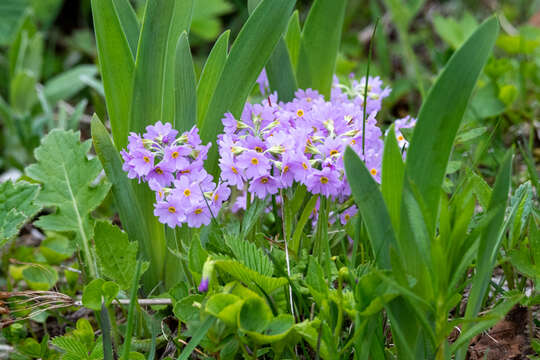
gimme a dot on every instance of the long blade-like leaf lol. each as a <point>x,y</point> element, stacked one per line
<point>372,208</point>
<point>248,55</point>
<point>116,63</point>
<point>392,177</point>
<point>129,22</point>
<point>441,114</point>
<point>210,75</point>
<point>319,47</point>
<point>185,87</point>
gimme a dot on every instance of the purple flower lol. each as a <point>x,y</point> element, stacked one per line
<point>174,157</point>
<point>142,162</point>
<point>203,286</point>
<point>198,215</point>
<point>264,185</point>
<point>264,85</point>
<point>230,172</point>
<point>160,173</point>
<point>324,182</point>
<point>169,211</point>
<point>254,164</point>
<point>348,214</point>
<point>161,132</point>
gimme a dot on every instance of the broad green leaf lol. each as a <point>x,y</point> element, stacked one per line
<point>126,203</point>
<point>69,83</point>
<point>98,292</point>
<point>293,37</point>
<point>371,205</point>
<point>211,74</point>
<point>56,248</point>
<point>129,23</point>
<point>280,72</point>
<point>249,277</point>
<point>254,315</point>
<point>225,307</point>
<point>73,347</point>
<point>67,177</point>
<point>321,38</point>
<point>117,256</point>
<point>206,23</point>
<point>185,87</point>
<point>453,31</point>
<point>392,177</point>
<point>22,92</point>
<point>40,277</point>
<point>17,206</point>
<point>248,55</point>
<point>179,23</point>
<point>441,114</point>
<point>116,62</point>
<point>12,14</point>
<point>19,52</point>
<point>250,255</point>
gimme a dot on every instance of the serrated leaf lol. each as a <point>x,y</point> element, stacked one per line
<point>71,345</point>
<point>250,277</point>
<point>16,207</point>
<point>117,256</point>
<point>251,255</point>
<point>67,176</point>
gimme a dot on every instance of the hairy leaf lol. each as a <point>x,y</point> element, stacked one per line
<point>16,207</point>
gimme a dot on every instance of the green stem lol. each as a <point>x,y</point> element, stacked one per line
<point>131,311</point>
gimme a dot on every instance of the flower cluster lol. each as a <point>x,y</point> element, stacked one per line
<point>274,145</point>
<point>173,168</point>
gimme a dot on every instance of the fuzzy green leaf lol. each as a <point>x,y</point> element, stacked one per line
<point>16,207</point>
<point>67,177</point>
<point>250,277</point>
<point>117,256</point>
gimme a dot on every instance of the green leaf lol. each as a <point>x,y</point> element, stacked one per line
<point>12,14</point>
<point>185,87</point>
<point>126,202</point>
<point>129,23</point>
<point>98,292</point>
<point>393,170</point>
<point>40,277</point>
<point>225,307</point>
<point>453,31</point>
<point>371,205</point>
<point>17,206</point>
<point>69,83</point>
<point>67,176</point>
<point>441,114</point>
<point>197,337</point>
<point>117,256</point>
<point>248,55</point>
<point>180,22</point>
<point>116,61</point>
<point>22,94</point>
<point>56,248</point>
<point>250,277</point>
<point>211,74</point>
<point>280,72</point>
<point>293,38</point>
<point>321,38</point>
<point>250,255</point>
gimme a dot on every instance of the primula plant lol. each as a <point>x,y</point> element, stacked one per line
<point>264,206</point>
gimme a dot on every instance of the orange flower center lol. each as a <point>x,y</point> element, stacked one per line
<point>373,172</point>
<point>334,152</point>
<point>400,138</point>
<point>285,169</point>
<point>185,171</point>
<point>234,170</point>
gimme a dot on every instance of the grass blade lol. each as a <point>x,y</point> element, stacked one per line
<point>392,177</point>
<point>131,310</point>
<point>372,208</point>
<point>210,75</point>
<point>440,115</point>
<point>185,86</point>
<point>293,37</point>
<point>106,330</point>
<point>321,38</point>
<point>280,72</point>
<point>117,65</point>
<point>248,55</point>
<point>197,337</point>
<point>129,22</point>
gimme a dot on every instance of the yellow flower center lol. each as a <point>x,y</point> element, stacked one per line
<point>324,180</point>
<point>264,180</point>
<point>304,165</point>
<point>175,154</point>
<point>234,170</point>
<point>308,99</point>
<point>347,217</point>
<point>334,152</point>
<point>159,171</point>
<point>400,138</point>
<point>146,159</point>
<point>353,142</point>
<point>285,169</point>
<point>187,192</point>
<point>198,211</point>
<point>172,209</point>
<point>254,161</point>
<point>258,149</point>
<point>300,112</point>
<point>160,193</point>
<point>216,197</point>
<point>185,171</point>
<point>373,172</point>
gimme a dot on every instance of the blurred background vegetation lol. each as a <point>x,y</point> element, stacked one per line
<point>49,76</point>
